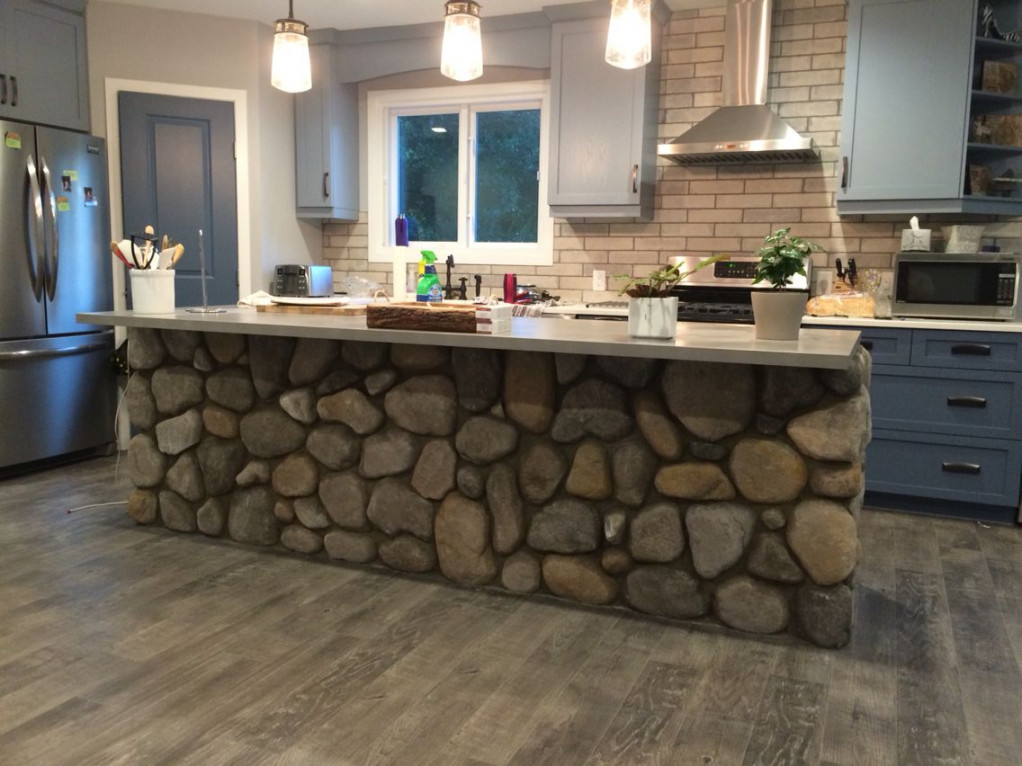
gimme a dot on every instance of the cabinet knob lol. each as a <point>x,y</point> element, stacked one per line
<point>326,185</point>
<point>635,179</point>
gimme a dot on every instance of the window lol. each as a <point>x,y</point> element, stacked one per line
<point>464,164</point>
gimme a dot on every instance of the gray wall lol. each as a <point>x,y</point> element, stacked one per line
<point>126,42</point>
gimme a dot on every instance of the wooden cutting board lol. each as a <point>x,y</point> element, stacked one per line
<point>340,310</point>
<point>422,316</point>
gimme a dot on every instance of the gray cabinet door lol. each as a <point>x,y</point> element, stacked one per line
<point>44,61</point>
<point>597,119</point>
<point>906,100</point>
<point>326,143</point>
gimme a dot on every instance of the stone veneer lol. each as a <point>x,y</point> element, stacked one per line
<point>693,491</point>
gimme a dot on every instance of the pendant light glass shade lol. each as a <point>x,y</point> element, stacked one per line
<point>462,55</point>
<point>628,40</point>
<point>291,70</point>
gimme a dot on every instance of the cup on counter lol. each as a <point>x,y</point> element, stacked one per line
<point>152,291</point>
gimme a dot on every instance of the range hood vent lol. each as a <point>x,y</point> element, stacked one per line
<point>744,130</point>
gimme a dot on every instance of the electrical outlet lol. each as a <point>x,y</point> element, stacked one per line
<point>599,279</point>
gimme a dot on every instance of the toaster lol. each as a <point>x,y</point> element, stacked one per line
<point>303,281</point>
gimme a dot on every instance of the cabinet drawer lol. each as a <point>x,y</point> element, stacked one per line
<point>967,350</point>
<point>887,346</point>
<point>937,401</point>
<point>982,471</point>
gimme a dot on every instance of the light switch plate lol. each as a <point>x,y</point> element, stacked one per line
<point>599,279</point>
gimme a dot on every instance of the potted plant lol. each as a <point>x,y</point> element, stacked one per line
<point>778,312</point>
<point>652,310</point>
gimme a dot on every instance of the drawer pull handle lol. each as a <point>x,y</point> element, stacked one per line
<point>14,90</point>
<point>866,344</point>
<point>971,349</point>
<point>3,89</point>
<point>326,185</point>
<point>978,402</point>
<point>956,467</point>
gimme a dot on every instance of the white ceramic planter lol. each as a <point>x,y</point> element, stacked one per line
<point>778,313</point>
<point>652,317</point>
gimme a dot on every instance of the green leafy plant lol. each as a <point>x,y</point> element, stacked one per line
<point>782,257</point>
<point>658,283</point>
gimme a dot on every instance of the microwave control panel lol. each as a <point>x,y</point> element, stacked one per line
<point>1006,285</point>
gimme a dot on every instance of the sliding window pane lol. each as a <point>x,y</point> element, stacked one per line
<point>507,176</point>
<point>427,176</point>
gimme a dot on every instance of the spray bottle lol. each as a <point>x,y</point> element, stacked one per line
<point>428,289</point>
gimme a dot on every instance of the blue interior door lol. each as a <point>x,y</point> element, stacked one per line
<point>178,175</point>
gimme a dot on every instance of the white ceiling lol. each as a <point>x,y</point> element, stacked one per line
<point>361,14</point>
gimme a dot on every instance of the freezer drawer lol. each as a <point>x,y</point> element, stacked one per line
<point>57,395</point>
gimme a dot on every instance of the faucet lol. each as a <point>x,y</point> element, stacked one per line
<point>463,290</point>
<point>448,290</point>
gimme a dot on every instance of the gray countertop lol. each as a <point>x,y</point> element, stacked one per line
<point>735,344</point>
<point>908,323</point>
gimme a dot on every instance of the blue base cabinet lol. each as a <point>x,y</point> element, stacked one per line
<point>947,422</point>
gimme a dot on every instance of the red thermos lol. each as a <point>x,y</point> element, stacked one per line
<point>510,288</point>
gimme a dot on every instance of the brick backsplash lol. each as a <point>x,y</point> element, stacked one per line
<point>706,210</point>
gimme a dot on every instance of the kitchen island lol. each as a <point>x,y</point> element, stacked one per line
<point>712,477</point>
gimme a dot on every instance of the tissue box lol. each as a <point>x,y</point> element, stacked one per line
<point>915,239</point>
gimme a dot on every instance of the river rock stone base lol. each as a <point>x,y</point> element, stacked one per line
<point>643,484</point>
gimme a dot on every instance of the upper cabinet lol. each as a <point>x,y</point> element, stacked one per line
<point>326,142</point>
<point>932,110</point>
<point>603,124</point>
<point>43,66</point>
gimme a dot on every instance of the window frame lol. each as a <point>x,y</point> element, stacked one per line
<point>384,106</point>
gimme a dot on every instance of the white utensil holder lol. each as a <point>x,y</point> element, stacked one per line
<point>152,291</point>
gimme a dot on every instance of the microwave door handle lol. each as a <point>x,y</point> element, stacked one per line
<point>34,228</point>
<point>54,238</point>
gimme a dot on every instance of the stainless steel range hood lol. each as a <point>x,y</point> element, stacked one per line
<point>743,130</point>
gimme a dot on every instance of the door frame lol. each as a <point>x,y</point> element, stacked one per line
<point>113,142</point>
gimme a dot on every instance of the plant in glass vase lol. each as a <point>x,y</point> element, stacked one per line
<point>778,312</point>
<point>652,310</point>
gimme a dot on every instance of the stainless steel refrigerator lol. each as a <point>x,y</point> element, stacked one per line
<point>57,383</point>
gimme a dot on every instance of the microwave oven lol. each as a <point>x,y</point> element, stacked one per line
<point>956,286</point>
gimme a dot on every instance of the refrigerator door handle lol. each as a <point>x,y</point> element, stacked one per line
<point>34,211</point>
<point>102,342</point>
<point>53,258</point>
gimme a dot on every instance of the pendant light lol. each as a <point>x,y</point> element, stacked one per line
<point>462,55</point>
<point>628,40</point>
<point>291,70</point>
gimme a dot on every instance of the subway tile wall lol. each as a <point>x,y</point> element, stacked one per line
<point>706,210</point>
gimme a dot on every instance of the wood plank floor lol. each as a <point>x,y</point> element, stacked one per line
<point>128,645</point>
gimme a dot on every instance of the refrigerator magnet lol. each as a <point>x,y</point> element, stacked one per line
<point>90,198</point>
<point>12,140</point>
<point>65,183</point>
<point>63,204</point>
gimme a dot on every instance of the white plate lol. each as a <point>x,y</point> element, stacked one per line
<point>328,300</point>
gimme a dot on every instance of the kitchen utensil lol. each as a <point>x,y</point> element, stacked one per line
<point>116,252</point>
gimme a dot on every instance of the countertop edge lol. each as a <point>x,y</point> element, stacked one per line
<point>723,344</point>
